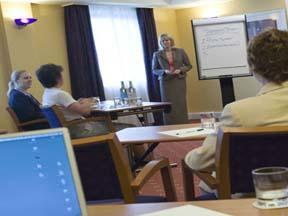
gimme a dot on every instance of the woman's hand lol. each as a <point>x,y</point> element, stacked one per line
<point>177,71</point>
<point>168,72</point>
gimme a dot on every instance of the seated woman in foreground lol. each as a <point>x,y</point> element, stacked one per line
<point>25,106</point>
<point>268,61</point>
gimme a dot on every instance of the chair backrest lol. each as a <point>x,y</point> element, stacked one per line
<point>122,167</point>
<point>54,116</point>
<point>15,118</point>
<point>115,153</point>
<point>240,150</point>
<point>121,162</point>
<point>95,164</point>
<point>97,171</point>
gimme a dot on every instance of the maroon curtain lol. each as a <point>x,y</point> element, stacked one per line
<point>150,45</point>
<point>85,75</point>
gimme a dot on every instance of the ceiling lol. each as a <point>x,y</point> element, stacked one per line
<point>142,3</point>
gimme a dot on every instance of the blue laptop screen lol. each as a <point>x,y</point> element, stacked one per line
<point>36,177</point>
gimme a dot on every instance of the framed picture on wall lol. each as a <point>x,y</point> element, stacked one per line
<point>261,21</point>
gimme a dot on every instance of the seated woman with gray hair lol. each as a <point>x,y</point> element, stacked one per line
<point>268,61</point>
<point>25,106</point>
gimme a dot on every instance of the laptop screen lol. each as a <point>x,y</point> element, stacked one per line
<point>36,176</point>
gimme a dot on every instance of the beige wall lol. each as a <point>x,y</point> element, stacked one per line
<point>29,47</point>
<point>206,95</point>
<point>166,22</point>
<point>5,68</point>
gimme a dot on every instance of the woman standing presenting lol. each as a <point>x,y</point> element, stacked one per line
<point>171,64</point>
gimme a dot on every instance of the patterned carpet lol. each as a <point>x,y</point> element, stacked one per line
<point>175,152</point>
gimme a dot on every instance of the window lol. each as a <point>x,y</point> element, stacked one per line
<point>119,48</point>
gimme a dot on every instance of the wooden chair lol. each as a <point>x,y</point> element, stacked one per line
<point>95,164</point>
<point>130,186</point>
<point>56,118</point>
<point>238,152</point>
<point>24,126</point>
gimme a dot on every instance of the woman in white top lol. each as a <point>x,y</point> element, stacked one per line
<point>50,76</point>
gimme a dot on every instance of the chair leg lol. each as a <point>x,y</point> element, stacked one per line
<point>188,182</point>
<point>168,183</point>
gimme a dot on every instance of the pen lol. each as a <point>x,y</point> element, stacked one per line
<point>200,129</point>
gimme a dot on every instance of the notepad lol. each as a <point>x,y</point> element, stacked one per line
<point>189,132</point>
<point>186,210</point>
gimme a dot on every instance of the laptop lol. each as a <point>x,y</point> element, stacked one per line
<point>39,176</point>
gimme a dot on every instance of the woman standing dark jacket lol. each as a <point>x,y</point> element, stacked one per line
<point>171,64</point>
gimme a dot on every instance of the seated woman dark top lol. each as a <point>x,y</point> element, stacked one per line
<point>25,106</point>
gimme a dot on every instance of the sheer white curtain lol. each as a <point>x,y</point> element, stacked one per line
<point>119,49</point>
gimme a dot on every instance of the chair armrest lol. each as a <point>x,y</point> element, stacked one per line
<point>75,122</point>
<point>97,118</point>
<point>207,178</point>
<point>205,175</point>
<point>92,119</point>
<point>33,122</point>
<point>147,172</point>
<point>188,180</point>
<point>91,140</point>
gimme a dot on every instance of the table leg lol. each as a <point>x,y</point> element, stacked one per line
<point>147,152</point>
<point>140,118</point>
<point>130,154</point>
<point>146,122</point>
<point>143,119</point>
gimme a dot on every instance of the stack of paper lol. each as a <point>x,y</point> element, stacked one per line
<point>189,132</point>
<point>186,210</point>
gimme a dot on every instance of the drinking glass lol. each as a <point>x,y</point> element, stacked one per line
<point>271,187</point>
<point>139,101</point>
<point>208,120</point>
<point>117,101</point>
<point>126,102</point>
<point>133,101</point>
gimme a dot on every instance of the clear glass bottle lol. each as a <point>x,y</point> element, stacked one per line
<point>123,91</point>
<point>131,91</point>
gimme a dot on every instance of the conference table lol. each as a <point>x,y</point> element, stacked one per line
<point>139,135</point>
<point>150,134</point>
<point>108,109</point>
<point>236,207</point>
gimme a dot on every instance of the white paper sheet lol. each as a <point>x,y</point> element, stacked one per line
<point>189,132</point>
<point>186,210</point>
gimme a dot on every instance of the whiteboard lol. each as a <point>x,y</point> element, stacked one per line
<point>220,45</point>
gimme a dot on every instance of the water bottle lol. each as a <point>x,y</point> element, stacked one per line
<point>131,91</point>
<point>123,91</point>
